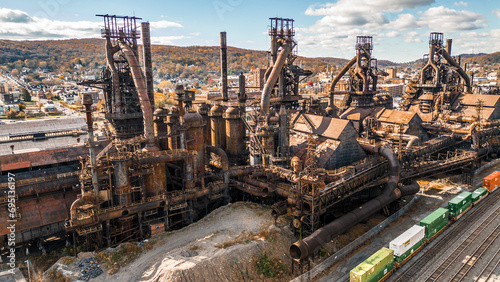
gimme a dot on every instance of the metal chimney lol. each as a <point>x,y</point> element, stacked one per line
<point>223,65</point>
<point>146,60</point>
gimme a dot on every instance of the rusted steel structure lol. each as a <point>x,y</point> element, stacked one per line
<point>170,166</point>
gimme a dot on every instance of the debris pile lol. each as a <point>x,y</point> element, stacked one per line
<point>89,268</point>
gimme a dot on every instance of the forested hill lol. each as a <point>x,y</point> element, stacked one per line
<point>193,61</point>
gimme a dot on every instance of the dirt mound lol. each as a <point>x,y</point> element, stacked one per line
<point>238,242</point>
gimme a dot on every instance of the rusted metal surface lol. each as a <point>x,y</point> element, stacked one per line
<point>235,132</point>
<point>218,126</point>
<point>223,65</point>
<point>147,62</point>
<point>196,137</point>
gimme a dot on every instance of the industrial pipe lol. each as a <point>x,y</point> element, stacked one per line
<point>342,72</point>
<point>430,63</point>
<point>75,222</point>
<point>166,156</point>
<point>266,188</point>
<point>409,189</point>
<point>271,81</point>
<point>411,139</point>
<point>115,89</point>
<point>279,208</point>
<point>459,70</point>
<point>305,248</point>
<point>448,46</point>
<point>223,156</point>
<point>142,91</point>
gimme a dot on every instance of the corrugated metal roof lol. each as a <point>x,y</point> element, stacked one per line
<point>46,157</point>
<point>326,127</point>
<point>42,126</point>
<point>472,99</point>
<point>34,146</point>
<point>393,116</point>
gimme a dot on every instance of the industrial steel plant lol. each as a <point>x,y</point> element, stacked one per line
<point>157,170</point>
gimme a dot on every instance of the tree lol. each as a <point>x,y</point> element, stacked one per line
<point>26,95</point>
<point>11,114</point>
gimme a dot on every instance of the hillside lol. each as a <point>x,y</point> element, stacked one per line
<point>168,61</point>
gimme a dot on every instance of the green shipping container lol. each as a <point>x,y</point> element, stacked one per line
<point>374,267</point>
<point>435,221</point>
<point>460,204</point>
<point>479,194</point>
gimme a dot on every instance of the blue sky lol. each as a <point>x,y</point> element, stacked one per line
<point>323,28</point>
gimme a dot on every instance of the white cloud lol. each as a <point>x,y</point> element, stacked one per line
<point>14,16</point>
<point>391,33</point>
<point>361,13</point>
<point>164,24</point>
<point>405,21</point>
<point>496,12</point>
<point>461,3</point>
<point>477,42</point>
<point>18,25</point>
<point>413,37</point>
<point>449,20</point>
<point>195,33</point>
<point>167,40</point>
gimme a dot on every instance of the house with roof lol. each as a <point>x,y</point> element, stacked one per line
<point>335,139</point>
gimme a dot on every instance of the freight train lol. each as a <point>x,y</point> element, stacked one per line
<point>385,261</point>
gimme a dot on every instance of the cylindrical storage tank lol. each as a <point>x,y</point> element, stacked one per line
<point>235,132</point>
<point>161,128</point>
<point>203,110</point>
<point>268,141</point>
<point>172,120</point>
<point>196,141</point>
<point>121,181</point>
<point>217,127</point>
<point>156,182</point>
<point>296,164</point>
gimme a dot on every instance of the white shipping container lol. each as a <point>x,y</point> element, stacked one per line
<point>407,240</point>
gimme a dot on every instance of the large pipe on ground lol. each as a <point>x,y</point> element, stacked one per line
<point>279,208</point>
<point>308,246</point>
<point>140,85</point>
<point>271,81</point>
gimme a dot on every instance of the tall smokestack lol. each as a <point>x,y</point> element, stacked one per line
<point>87,102</point>
<point>147,64</point>
<point>223,65</point>
<point>448,46</point>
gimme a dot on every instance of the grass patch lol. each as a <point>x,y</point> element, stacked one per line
<point>56,276</point>
<point>124,254</point>
<point>269,267</point>
<point>42,263</point>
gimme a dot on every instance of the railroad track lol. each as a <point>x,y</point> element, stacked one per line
<point>436,275</point>
<point>442,241</point>
<point>490,267</point>
<point>469,264</point>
